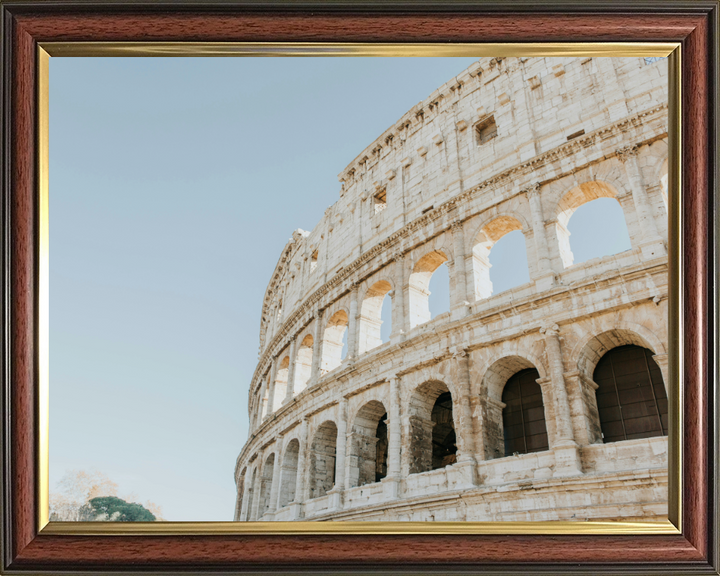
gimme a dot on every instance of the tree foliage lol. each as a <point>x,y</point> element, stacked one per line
<point>78,489</point>
<point>118,510</point>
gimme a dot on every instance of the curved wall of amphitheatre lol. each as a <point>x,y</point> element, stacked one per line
<point>509,144</point>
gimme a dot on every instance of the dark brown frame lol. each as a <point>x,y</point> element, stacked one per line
<point>693,23</point>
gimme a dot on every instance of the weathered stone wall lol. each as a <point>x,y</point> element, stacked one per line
<point>509,144</point>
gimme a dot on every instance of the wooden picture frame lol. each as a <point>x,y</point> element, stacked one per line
<point>28,546</point>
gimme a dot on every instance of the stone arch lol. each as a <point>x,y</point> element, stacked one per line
<point>322,459</point>
<point>332,344</point>
<point>431,422</point>
<point>418,286</point>
<point>588,351</point>
<point>585,356</point>
<point>240,489</point>
<point>484,240</point>
<point>289,472</point>
<point>281,379</point>
<point>370,312</point>
<point>268,470</point>
<point>493,382</point>
<point>368,449</point>
<point>303,363</point>
<point>569,203</point>
<point>631,398</point>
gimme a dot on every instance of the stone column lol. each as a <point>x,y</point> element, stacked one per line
<point>261,403</point>
<point>652,244</point>
<point>317,348</point>
<point>352,323</point>
<point>392,480</point>
<point>290,392</point>
<point>546,276</point>
<point>300,478</point>
<point>461,304</point>
<point>246,490</point>
<point>399,304</point>
<point>256,489</point>
<point>277,472</point>
<point>271,388</point>
<point>662,361</point>
<point>340,451</point>
<point>564,445</point>
<point>465,432</point>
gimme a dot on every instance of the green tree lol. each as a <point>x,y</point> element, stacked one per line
<point>117,510</point>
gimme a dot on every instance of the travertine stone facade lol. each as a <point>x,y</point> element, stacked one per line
<point>509,144</point>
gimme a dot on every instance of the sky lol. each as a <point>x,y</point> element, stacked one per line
<point>174,185</point>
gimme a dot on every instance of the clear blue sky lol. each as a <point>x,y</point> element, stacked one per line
<point>174,185</point>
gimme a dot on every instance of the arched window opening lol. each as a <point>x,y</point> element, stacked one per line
<point>444,440</point>
<point>266,484</point>
<point>289,473</point>
<point>386,317</point>
<point>485,241</point>
<point>264,400</point>
<point>432,429</point>
<point>334,339</point>
<point>322,460</point>
<point>281,379</point>
<point>631,398</point>
<point>606,229</point>
<point>439,288</point>
<point>664,184</point>
<point>508,263</point>
<point>524,427</point>
<point>251,493</point>
<point>370,334</point>
<point>419,287</point>
<point>367,457</point>
<point>598,229</point>
<point>303,364</point>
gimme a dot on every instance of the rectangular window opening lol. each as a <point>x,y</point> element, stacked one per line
<point>313,260</point>
<point>485,130</point>
<point>380,201</point>
<point>576,134</point>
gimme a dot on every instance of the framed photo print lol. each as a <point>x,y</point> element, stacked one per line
<point>359,288</point>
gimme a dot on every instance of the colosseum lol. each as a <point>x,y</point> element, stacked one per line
<point>546,401</point>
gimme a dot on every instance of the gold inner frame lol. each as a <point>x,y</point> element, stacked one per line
<point>671,50</point>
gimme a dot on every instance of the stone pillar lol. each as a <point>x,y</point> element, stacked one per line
<point>583,407</point>
<point>567,458</point>
<point>352,323</point>
<point>546,276</point>
<point>662,361</point>
<point>340,451</point>
<point>290,388</point>
<point>300,484</point>
<point>256,489</point>
<point>271,388</point>
<point>460,306</point>
<point>317,348</point>
<point>246,490</point>
<point>465,432</point>
<point>399,303</point>
<point>277,471</point>
<point>652,243</point>
<point>392,480</point>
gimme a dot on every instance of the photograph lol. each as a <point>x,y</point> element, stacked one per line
<point>368,288</point>
<point>406,289</point>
